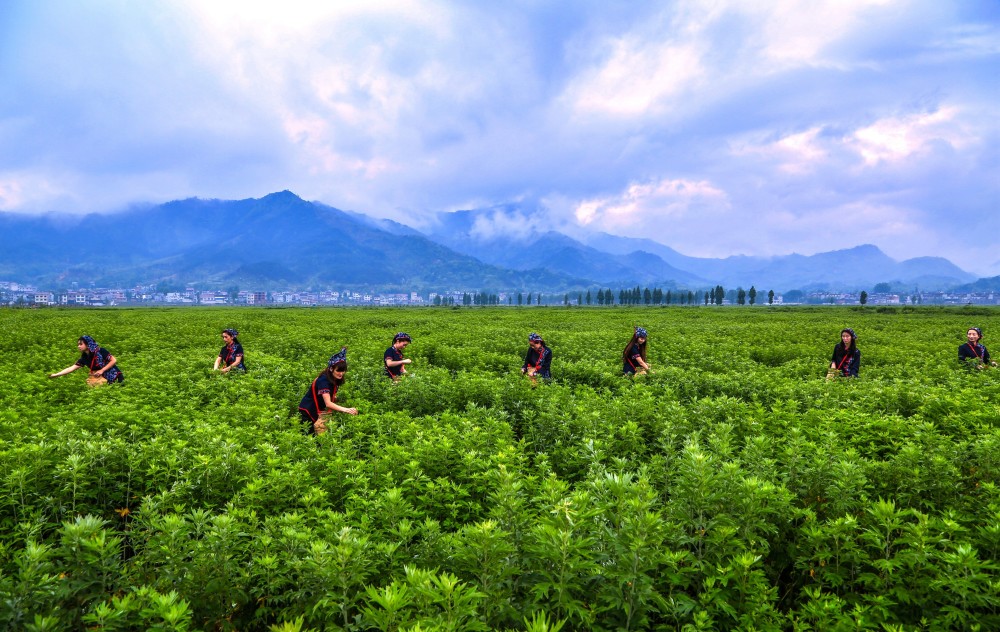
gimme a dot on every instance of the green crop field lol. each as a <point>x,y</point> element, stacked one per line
<point>734,487</point>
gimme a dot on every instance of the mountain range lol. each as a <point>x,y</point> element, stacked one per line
<point>281,241</point>
<point>505,236</point>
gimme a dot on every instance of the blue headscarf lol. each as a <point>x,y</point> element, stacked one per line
<point>978,331</point>
<point>533,337</point>
<point>92,345</point>
<point>640,333</point>
<point>97,362</point>
<point>401,336</point>
<point>231,332</point>
<point>340,356</point>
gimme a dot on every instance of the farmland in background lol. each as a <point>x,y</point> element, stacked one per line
<point>733,488</point>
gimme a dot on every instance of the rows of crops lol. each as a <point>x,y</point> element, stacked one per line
<point>734,487</point>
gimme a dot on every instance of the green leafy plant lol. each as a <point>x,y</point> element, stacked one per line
<point>732,488</point>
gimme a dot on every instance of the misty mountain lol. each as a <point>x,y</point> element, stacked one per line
<point>504,235</point>
<point>282,241</point>
<point>989,284</point>
<point>854,268</point>
<point>507,236</point>
<point>386,225</point>
<point>278,241</point>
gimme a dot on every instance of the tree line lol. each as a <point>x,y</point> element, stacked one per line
<point>630,296</point>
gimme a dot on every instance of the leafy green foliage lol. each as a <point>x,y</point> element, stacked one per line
<point>732,488</point>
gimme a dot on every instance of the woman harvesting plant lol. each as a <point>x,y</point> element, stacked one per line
<point>103,366</point>
<point>320,401</point>
<point>231,355</point>
<point>973,350</point>
<point>538,359</point>
<point>393,356</point>
<point>846,358</point>
<point>634,354</point>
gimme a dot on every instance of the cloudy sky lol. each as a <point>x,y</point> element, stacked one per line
<point>716,127</point>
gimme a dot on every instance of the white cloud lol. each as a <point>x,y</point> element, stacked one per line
<point>637,77</point>
<point>32,191</point>
<point>795,154</point>
<point>648,203</point>
<point>514,224</point>
<point>313,133</point>
<point>887,140</point>
<point>711,49</point>
<point>11,193</point>
<point>896,138</point>
<point>795,33</point>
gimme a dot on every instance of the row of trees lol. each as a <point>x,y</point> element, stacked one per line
<point>485,298</point>
<point>631,296</point>
<point>635,296</point>
<point>715,296</point>
<point>480,298</point>
<point>739,296</point>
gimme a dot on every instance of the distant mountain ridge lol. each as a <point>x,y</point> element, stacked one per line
<point>463,231</point>
<point>987,284</point>
<point>278,241</point>
<point>281,241</point>
<point>859,267</point>
<point>611,259</point>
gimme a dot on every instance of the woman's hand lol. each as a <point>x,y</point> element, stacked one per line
<point>331,408</point>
